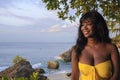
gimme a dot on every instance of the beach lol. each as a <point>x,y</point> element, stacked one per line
<point>59,76</point>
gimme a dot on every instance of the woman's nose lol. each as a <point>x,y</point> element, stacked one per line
<point>85,26</point>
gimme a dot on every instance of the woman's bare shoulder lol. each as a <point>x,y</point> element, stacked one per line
<point>74,52</point>
<point>73,49</point>
<point>112,47</point>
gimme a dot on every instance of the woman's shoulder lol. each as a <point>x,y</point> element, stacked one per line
<point>111,47</point>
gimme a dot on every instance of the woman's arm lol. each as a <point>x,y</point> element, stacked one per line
<point>75,70</point>
<point>115,62</point>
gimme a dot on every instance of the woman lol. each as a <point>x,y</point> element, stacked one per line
<point>94,57</point>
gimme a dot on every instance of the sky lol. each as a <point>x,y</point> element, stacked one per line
<point>30,21</point>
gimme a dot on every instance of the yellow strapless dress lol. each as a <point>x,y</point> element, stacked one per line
<point>101,71</point>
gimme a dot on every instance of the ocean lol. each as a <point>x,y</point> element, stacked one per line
<point>37,53</point>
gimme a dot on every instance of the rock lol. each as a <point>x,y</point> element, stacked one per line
<point>40,70</point>
<point>20,69</point>
<point>53,64</point>
<point>68,74</point>
<point>66,56</point>
<point>42,77</point>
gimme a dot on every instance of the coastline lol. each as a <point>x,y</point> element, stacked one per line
<point>58,76</point>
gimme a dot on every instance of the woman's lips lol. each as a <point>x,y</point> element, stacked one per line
<point>85,32</point>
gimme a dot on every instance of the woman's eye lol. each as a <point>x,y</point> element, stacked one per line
<point>89,24</point>
<point>82,25</point>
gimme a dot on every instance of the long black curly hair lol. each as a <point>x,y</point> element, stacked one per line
<point>100,30</point>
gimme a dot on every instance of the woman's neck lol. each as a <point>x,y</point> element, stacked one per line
<point>91,42</point>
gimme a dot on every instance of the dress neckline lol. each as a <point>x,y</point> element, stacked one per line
<point>96,64</point>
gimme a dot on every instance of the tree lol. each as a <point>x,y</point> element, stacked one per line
<point>110,8</point>
<point>73,9</point>
<point>18,59</point>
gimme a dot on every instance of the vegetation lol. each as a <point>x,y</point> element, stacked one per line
<point>116,39</point>
<point>18,59</point>
<point>34,76</point>
<point>73,9</point>
<point>78,7</point>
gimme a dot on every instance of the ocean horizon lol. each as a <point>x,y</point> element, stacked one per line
<point>37,53</point>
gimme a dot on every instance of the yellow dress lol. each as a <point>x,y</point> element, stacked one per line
<point>101,71</point>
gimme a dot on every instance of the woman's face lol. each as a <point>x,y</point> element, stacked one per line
<point>87,28</point>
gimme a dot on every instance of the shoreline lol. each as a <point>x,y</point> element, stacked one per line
<point>58,76</point>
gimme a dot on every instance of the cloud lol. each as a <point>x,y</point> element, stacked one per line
<point>20,14</point>
<point>13,21</point>
<point>29,20</point>
<point>55,28</point>
<point>63,28</point>
<point>30,13</point>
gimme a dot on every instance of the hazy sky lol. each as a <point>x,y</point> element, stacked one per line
<point>29,21</point>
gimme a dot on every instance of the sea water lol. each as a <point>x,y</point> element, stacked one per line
<point>37,53</point>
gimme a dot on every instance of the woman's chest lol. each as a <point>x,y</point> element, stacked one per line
<point>95,55</point>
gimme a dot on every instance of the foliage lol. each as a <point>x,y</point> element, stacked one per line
<point>34,76</point>
<point>6,78</point>
<point>79,7</point>
<point>116,39</point>
<point>18,59</point>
